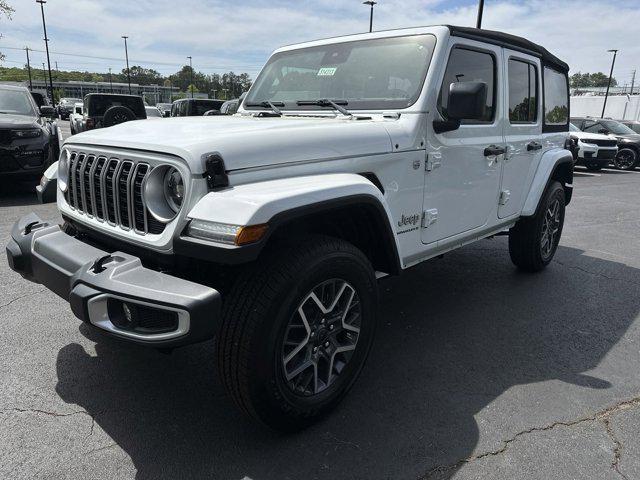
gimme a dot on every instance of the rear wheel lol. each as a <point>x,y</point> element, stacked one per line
<point>297,330</point>
<point>626,159</point>
<point>533,241</point>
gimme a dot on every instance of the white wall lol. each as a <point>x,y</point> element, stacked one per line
<point>592,106</point>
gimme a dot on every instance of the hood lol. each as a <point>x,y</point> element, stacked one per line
<point>8,120</point>
<point>632,138</point>
<point>247,141</point>
<point>594,136</point>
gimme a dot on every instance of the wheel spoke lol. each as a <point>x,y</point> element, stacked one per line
<point>302,344</point>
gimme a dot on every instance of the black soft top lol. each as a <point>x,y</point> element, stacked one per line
<point>511,41</point>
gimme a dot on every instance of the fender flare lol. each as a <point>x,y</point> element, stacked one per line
<point>277,202</point>
<point>549,164</point>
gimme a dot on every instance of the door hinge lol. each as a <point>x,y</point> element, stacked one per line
<point>431,164</point>
<point>429,217</point>
<point>504,197</point>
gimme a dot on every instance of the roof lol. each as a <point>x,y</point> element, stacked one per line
<point>510,41</point>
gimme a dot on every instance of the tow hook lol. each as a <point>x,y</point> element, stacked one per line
<point>98,265</point>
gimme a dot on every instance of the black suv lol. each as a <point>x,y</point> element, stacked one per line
<point>194,107</point>
<point>632,124</point>
<point>107,109</point>
<point>29,141</point>
<point>628,155</point>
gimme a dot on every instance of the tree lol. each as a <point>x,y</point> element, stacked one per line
<point>591,80</point>
<point>6,10</point>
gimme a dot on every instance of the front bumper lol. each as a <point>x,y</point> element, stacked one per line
<point>96,283</point>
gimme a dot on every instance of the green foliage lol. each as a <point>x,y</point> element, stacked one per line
<point>7,11</point>
<point>590,80</point>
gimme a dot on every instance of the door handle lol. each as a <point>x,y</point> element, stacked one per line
<point>531,146</point>
<point>492,150</point>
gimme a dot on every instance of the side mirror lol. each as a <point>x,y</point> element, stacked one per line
<point>47,111</point>
<point>467,101</point>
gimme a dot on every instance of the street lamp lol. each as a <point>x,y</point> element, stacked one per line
<point>126,54</point>
<point>191,71</point>
<point>29,68</point>
<point>371,3</point>
<point>110,82</point>
<point>480,10</point>
<point>46,44</point>
<point>606,95</point>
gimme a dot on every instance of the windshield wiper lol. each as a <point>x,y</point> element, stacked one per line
<point>325,102</point>
<point>267,104</point>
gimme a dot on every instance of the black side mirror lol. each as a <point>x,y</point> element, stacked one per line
<point>47,111</point>
<point>467,101</point>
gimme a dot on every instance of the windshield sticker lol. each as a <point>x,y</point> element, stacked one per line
<point>327,71</point>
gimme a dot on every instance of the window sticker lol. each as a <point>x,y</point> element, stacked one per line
<point>327,72</point>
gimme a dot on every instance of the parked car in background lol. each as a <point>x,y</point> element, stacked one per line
<point>65,107</point>
<point>40,99</point>
<point>593,150</point>
<point>632,124</point>
<point>29,140</point>
<point>268,229</point>
<point>165,109</point>
<point>102,110</point>
<point>628,155</point>
<point>153,112</point>
<point>194,107</point>
<point>230,106</point>
<point>76,118</point>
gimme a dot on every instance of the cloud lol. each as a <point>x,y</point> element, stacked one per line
<point>224,35</point>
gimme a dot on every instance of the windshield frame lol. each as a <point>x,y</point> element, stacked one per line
<point>353,105</point>
<point>35,111</point>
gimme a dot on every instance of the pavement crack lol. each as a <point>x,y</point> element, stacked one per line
<point>49,413</point>
<point>617,447</point>
<point>595,274</point>
<point>21,297</point>
<point>602,415</point>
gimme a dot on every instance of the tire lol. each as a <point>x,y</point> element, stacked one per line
<point>116,115</point>
<point>262,329</point>
<point>593,167</point>
<point>527,246</point>
<point>626,159</point>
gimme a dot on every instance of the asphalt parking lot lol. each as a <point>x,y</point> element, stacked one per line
<point>478,371</point>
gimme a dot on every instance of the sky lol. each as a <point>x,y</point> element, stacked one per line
<point>239,35</point>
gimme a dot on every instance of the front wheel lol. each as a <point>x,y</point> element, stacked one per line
<point>297,330</point>
<point>626,159</point>
<point>533,241</point>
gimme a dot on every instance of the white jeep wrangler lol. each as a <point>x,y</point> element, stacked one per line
<point>350,159</point>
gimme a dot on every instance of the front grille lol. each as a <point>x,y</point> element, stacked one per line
<point>110,190</point>
<point>5,136</point>
<point>600,143</point>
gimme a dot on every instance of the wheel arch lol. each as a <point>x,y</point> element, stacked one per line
<point>555,165</point>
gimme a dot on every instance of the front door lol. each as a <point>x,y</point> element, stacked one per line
<point>462,176</point>
<point>523,130</point>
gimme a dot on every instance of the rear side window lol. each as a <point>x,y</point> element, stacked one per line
<point>467,65</point>
<point>523,92</point>
<point>556,100</point>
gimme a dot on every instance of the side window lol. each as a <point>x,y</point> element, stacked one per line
<point>523,92</point>
<point>467,65</point>
<point>556,98</point>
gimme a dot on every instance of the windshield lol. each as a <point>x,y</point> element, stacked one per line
<point>16,102</point>
<point>617,127</point>
<point>367,74</point>
<point>152,112</point>
<point>573,128</point>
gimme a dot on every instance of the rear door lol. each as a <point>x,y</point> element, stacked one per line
<point>523,130</point>
<point>462,176</point>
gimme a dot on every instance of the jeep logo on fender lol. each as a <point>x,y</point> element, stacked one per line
<point>410,220</point>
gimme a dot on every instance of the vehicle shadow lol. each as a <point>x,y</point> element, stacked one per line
<point>16,193</point>
<point>454,335</point>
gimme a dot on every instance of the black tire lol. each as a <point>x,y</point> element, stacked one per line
<point>258,314</point>
<point>116,115</point>
<point>593,167</point>
<point>626,159</point>
<point>526,247</point>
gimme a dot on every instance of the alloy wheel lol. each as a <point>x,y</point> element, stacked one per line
<point>625,159</point>
<point>550,228</point>
<point>321,337</point>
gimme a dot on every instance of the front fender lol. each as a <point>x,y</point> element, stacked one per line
<point>276,201</point>
<point>551,160</point>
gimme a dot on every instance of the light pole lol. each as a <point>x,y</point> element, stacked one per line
<point>29,68</point>
<point>371,3</point>
<point>46,44</point>
<point>126,54</point>
<point>110,82</point>
<point>480,10</point>
<point>606,95</point>
<point>191,72</point>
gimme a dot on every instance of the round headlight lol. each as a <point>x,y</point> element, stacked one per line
<point>63,170</point>
<point>164,192</point>
<point>173,189</point>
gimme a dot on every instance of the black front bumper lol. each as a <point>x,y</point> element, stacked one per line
<point>92,280</point>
